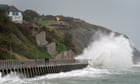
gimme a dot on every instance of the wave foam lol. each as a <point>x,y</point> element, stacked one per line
<point>109,51</point>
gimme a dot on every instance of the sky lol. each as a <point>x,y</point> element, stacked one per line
<point>118,15</point>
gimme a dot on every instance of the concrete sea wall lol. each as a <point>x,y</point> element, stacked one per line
<point>32,68</point>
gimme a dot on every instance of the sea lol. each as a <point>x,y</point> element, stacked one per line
<point>87,75</point>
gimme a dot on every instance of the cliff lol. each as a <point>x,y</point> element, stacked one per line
<point>80,33</point>
<point>31,39</point>
<point>76,33</point>
<point>21,40</point>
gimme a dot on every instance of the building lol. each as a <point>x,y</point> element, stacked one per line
<point>14,14</point>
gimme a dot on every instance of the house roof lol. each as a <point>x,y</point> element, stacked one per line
<point>13,8</point>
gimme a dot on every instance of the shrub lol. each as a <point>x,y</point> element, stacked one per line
<point>60,47</point>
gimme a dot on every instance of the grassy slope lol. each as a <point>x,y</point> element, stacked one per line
<point>20,43</point>
<point>45,22</point>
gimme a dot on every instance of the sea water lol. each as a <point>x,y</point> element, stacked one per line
<point>84,76</point>
<point>110,62</point>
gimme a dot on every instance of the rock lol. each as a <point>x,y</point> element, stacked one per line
<point>80,31</point>
<point>67,55</point>
<point>51,49</point>
<point>59,56</point>
<point>70,54</point>
<point>136,57</point>
<point>82,35</point>
<point>41,39</point>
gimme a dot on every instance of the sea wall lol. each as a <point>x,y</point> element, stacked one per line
<point>32,68</point>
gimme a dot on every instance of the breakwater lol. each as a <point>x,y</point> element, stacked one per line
<point>32,68</point>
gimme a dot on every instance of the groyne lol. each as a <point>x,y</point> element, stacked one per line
<point>32,68</point>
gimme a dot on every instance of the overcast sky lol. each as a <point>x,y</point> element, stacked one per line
<point>119,15</point>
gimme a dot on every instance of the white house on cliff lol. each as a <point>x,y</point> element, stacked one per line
<point>14,14</point>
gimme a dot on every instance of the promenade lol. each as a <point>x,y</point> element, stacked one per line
<point>37,67</point>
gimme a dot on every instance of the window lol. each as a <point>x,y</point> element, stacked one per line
<point>15,13</point>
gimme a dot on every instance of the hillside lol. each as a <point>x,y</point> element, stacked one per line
<point>75,33</point>
<point>18,41</point>
<point>12,39</point>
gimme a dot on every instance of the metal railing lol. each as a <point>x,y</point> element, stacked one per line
<point>36,62</point>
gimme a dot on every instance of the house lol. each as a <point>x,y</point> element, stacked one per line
<point>14,14</point>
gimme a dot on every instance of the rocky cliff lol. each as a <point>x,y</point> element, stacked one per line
<point>81,32</point>
<point>68,34</point>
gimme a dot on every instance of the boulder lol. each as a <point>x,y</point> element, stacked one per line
<point>41,39</point>
<point>51,49</point>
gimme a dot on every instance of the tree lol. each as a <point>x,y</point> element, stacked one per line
<point>3,17</point>
<point>30,15</point>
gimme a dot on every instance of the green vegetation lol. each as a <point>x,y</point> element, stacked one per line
<point>5,55</point>
<point>29,49</point>
<point>11,36</point>
<point>3,17</point>
<point>45,22</point>
<point>51,35</point>
<point>30,15</point>
<point>60,47</point>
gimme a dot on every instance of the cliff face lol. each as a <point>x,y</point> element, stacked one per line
<point>82,34</point>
